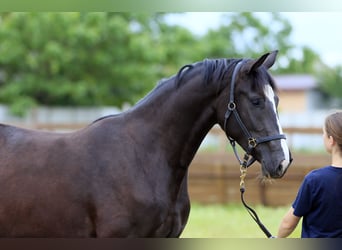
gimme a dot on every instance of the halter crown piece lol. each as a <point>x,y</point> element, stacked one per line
<point>252,142</point>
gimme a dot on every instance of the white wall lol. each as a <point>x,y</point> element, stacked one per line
<point>57,115</point>
<point>87,115</point>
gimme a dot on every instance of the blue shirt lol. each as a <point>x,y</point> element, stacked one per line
<point>319,202</point>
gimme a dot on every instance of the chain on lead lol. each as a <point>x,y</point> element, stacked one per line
<point>243,172</point>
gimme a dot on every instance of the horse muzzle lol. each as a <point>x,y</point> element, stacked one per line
<point>276,170</point>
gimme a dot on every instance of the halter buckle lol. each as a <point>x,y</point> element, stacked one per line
<point>252,142</point>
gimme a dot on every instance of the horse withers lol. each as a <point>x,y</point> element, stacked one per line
<point>126,175</point>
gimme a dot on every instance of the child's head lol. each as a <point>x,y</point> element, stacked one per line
<point>333,127</point>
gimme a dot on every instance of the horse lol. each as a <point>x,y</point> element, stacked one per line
<point>125,175</point>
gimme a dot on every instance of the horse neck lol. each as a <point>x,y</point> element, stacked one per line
<point>178,118</point>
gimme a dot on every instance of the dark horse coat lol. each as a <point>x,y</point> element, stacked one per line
<point>126,175</point>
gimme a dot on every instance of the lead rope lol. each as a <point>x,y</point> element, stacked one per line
<point>253,214</point>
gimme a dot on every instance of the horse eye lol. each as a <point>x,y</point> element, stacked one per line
<point>256,102</point>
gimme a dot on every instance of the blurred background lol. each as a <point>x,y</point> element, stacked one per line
<point>61,71</point>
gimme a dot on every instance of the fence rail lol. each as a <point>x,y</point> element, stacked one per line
<point>216,130</point>
<point>215,177</point>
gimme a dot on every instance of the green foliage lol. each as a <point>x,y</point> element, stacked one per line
<point>92,59</point>
<point>74,58</point>
<point>330,82</point>
<point>251,35</point>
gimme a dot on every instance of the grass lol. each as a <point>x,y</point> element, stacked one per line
<point>233,221</point>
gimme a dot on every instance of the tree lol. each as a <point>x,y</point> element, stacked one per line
<point>246,34</point>
<point>251,34</point>
<point>92,59</point>
<point>75,58</point>
<point>330,82</point>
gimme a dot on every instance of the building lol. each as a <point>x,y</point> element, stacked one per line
<point>297,93</point>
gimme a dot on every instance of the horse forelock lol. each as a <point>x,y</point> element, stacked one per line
<point>219,71</point>
<point>215,70</point>
<point>261,78</point>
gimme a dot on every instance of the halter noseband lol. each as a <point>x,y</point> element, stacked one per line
<point>252,141</point>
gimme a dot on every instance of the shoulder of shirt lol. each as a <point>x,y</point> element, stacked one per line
<point>317,172</point>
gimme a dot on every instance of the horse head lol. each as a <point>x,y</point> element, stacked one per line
<point>249,107</point>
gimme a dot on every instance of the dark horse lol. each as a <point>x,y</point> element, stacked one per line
<point>126,175</point>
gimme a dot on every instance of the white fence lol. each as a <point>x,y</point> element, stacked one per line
<point>43,116</point>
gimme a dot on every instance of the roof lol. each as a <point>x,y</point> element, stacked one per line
<point>295,82</point>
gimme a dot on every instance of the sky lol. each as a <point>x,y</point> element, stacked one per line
<point>321,31</point>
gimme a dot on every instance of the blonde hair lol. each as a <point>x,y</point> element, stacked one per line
<point>333,127</point>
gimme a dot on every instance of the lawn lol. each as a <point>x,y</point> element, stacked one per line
<point>233,221</point>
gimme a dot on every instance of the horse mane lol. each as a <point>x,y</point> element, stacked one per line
<point>215,70</point>
<point>104,117</point>
<point>220,70</point>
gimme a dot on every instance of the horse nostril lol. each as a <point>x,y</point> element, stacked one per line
<point>280,169</point>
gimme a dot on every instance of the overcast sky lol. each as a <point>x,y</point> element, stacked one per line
<point>321,31</point>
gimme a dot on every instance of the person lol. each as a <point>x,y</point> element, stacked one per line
<point>319,198</point>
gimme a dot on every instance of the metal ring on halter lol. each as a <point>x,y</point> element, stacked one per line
<point>231,106</point>
<point>252,142</point>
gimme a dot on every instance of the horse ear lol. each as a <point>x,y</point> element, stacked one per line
<point>270,59</point>
<point>267,60</point>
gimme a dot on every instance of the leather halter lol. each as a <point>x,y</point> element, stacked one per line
<point>252,141</point>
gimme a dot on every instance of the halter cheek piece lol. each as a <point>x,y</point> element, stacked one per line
<point>251,141</point>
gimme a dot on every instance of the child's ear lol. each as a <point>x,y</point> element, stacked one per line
<point>331,140</point>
